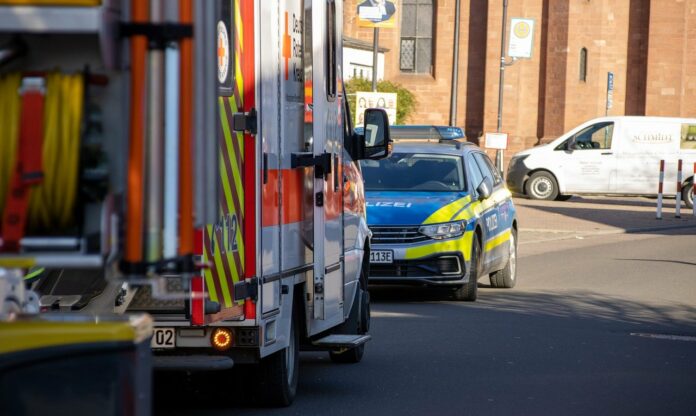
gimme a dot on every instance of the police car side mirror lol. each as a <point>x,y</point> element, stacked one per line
<point>376,141</point>
<point>483,190</point>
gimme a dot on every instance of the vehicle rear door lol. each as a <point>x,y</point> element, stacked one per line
<point>326,290</point>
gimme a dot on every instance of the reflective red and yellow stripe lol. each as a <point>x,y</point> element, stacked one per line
<point>226,253</point>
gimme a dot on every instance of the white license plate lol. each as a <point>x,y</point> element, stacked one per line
<point>382,256</point>
<point>163,338</point>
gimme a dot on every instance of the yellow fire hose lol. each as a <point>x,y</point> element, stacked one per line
<point>52,203</point>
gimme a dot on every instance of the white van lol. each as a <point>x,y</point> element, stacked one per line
<point>609,155</point>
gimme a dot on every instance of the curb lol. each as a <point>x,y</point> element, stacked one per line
<point>606,232</point>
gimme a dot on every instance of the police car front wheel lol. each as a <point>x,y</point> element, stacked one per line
<point>469,291</point>
<point>507,277</point>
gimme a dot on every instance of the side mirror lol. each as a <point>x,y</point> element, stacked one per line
<point>484,190</point>
<point>570,144</point>
<point>376,141</point>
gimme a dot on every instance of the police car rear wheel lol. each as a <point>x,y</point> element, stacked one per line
<point>469,291</point>
<point>507,277</point>
<point>542,185</point>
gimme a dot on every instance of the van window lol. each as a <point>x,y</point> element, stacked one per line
<point>596,136</point>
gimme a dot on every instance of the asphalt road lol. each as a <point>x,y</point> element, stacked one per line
<point>596,326</point>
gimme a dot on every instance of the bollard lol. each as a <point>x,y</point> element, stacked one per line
<point>659,190</point>
<point>677,210</point>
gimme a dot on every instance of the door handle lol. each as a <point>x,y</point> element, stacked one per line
<point>321,163</point>
<point>607,153</point>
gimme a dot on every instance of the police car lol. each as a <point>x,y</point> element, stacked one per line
<point>439,213</point>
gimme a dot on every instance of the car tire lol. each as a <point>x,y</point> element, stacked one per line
<point>507,277</point>
<point>541,185</point>
<point>355,355</point>
<point>278,373</point>
<point>469,291</point>
<point>688,194</point>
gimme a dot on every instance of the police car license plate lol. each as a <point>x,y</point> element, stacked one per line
<point>163,338</point>
<point>382,256</point>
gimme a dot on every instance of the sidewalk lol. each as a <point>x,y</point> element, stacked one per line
<point>581,217</point>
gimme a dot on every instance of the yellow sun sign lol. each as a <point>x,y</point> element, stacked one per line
<point>522,29</point>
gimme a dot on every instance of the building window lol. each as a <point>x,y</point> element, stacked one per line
<point>583,65</point>
<point>417,36</point>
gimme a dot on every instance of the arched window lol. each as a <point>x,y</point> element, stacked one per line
<point>583,65</point>
<point>417,36</point>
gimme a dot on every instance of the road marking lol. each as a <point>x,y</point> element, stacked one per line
<point>376,314</point>
<point>665,336</point>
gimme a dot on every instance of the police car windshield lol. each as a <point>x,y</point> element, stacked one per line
<point>415,172</point>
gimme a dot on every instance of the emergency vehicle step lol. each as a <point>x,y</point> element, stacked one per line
<point>342,341</point>
<point>191,362</point>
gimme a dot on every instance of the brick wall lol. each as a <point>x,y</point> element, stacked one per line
<point>671,73</point>
<point>647,44</point>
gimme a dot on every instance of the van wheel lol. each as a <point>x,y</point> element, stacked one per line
<point>542,185</point>
<point>469,291</point>
<point>277,375</point>
<point>507,277</point>
<point>688,194</point>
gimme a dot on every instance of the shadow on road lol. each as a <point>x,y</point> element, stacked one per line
<point>686,263</point>
<point>581,305</point>
<point>416,331</point>
<point>646,202</point>
<point>619,218</point>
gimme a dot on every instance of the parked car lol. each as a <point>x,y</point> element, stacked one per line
<point>439,213</point>
<point>609,155</point>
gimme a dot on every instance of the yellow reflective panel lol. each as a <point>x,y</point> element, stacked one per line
<point>462,245</point>
<point>22,335</point>
<point>497,240</point>
<point>446,213</point>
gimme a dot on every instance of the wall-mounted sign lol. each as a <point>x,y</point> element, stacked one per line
<point>610,90</point>
<point>377,13</point>
<point>497,141</point>
<point>521,42</point>
<point>688,137</point>
<point>224,47</point>
<point>383,100</point>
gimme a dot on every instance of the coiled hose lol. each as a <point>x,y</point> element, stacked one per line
<point>52,203</point>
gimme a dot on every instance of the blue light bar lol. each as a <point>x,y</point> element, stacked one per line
<point>436,133</point>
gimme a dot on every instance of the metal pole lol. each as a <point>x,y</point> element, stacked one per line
<point>154,168</point>
<point>455,67</point>
<point>375,58</point>
<point>499,153</point>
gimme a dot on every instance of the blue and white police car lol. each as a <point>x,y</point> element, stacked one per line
<point>439,213</point>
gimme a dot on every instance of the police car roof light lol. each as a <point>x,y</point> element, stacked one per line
<point>423,132</point>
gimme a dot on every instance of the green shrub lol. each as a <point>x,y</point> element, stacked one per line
<point>405,100</point>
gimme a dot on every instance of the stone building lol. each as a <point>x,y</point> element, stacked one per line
<point>649,46</point>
